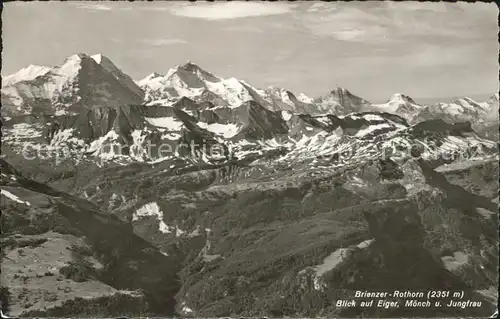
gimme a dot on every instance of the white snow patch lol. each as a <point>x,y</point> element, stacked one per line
<point>334,260</point>
<point>171,136</point>
<point>286,115</point>
<point>61,112</point>
<point>168,122</point>
<point>186,309</point>
<point>371,129</point>
<point>452,262</point>
<point>195,232</point>
<point>225,130</point>
<point>14,197</point>
<point>152,209</point>
<point>97,58</point>
<point>22,131</point>
<point>231,90</point>
<point>453,109</point>
<point>323,119</point>
<point>304,98</point>
<point>372,117</point>
<point>178,232</point>
<point>107,147</point>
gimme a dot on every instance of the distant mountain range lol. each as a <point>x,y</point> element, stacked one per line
<point>85,80</point>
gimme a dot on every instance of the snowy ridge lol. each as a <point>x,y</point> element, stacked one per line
<point>341,101</point>
<point>193,82</point>
<point>463,109</point>
<point>216,110</point>
<point>28,73</point>
<point>399,104</point>
<point>59,87</point>
<point>58,79</point>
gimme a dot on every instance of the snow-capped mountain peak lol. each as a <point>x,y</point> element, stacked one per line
<point>340,101</point>
<point>401,98</point>
<point>192,67</point>
<point>304,98</point>
<point>77,57</point>
<point>339,91</point>
<point>400,104</point>
<point>149,78</point>
<point>28,73</point>
<point>80,81</point>
<point>97,57</point>
<point>190,80</point>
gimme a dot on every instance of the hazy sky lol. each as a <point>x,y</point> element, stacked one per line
<point>374,49</point>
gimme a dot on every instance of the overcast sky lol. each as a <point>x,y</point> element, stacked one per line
<point>374,49</point>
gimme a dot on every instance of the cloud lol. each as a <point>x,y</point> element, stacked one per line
<point>344,23</point>
<point>163,42</point>
<point>231,10</point>
<point>246,28</point>
<point>94,7</point>
<point>397,22</point>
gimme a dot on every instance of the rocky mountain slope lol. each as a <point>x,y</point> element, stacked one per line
<point>85,80</point>
<point>212,198</point>
<point>82,81</point>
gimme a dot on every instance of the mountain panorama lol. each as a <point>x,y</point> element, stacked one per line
<point>187,194</point>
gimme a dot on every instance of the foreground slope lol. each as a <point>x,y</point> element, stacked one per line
<point>62,256</point>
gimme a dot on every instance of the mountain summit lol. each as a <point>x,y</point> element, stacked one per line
<point>81,81</point>
<point>400,104</point>
<point>190,80</point>
<point>341,101</point>
<point>86,81</point>
<point>401,98</point>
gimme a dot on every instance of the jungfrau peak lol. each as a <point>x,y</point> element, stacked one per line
<point>399,97</point>
<point>400,104</point>
<point>190,80</point>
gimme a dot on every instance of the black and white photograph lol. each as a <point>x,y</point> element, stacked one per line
<point>249,159</point>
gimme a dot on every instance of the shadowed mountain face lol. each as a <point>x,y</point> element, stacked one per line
<point>188,194</point>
